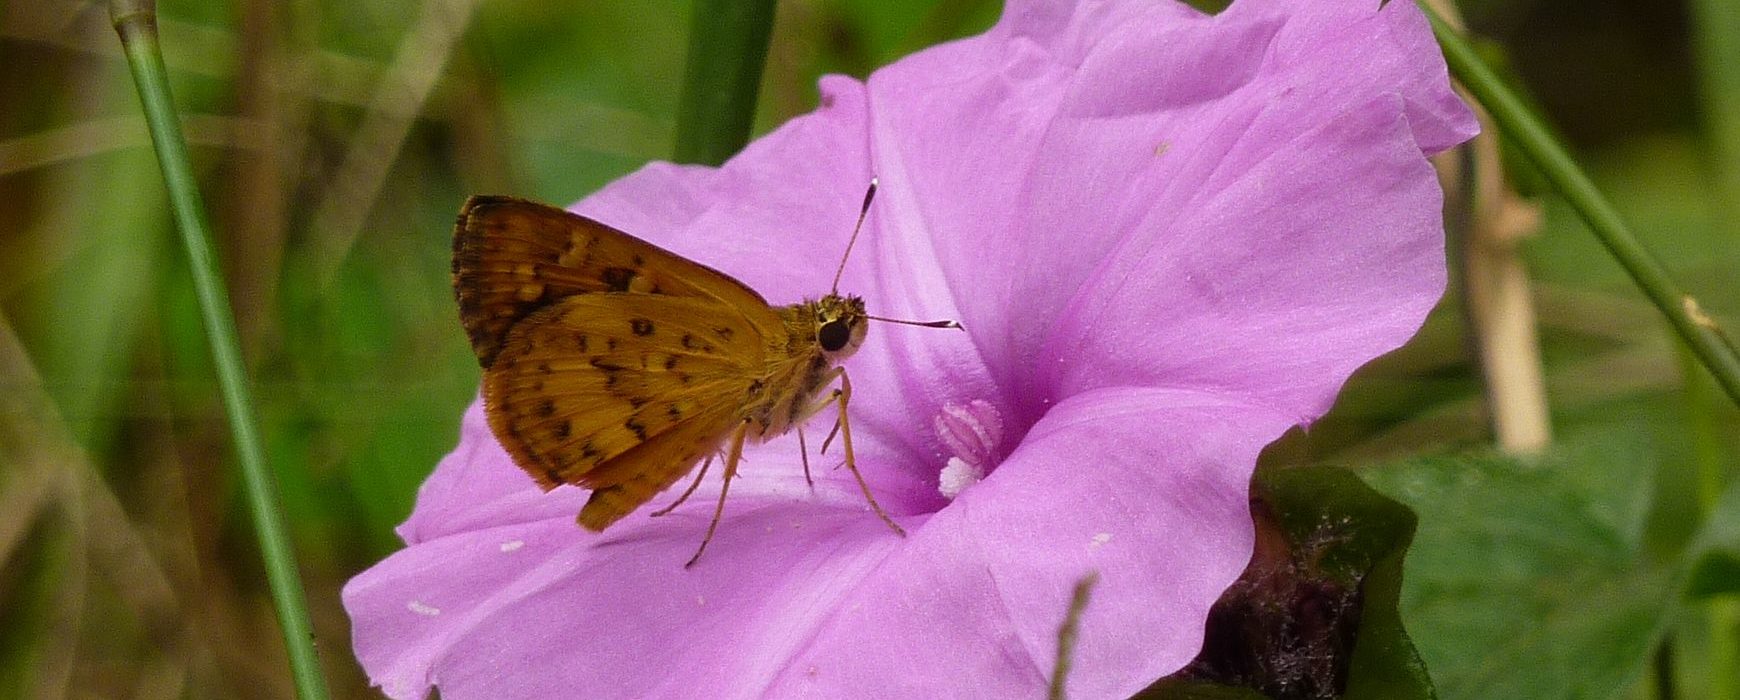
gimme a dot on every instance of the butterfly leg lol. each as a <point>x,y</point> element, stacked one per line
<point>731,459</point>
<point>804,452</point>
<point>686,492</point>
<point>832,432</point>
<point>843,395</point>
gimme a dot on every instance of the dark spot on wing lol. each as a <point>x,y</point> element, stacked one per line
<point>562,430</point>
<point>635,427</point>
<point>616,279</point>
<point>640,326</point>
<point>690,342</point>
<point>546,408</point>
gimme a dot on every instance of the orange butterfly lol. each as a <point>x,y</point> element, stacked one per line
<point>615,365</point>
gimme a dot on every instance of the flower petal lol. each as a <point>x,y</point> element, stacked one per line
<point>1349,260</point>
<point>477,486</point>
<point>791,593</point>
<point>1099,140</point>
<point>1147,487</point>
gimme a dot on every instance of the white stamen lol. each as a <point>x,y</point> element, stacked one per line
<point>512,545</point>
<point>1099,540</point>
<point>956,476</point>
<point>423,609</point>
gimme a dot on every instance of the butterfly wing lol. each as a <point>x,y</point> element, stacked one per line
<point>621,392</point>
<point>512,257</point>
<point>630,479</point>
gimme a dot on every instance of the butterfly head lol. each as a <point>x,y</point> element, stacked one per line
<point>840,325</point>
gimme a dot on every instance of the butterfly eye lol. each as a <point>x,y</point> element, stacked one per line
<point>833,335</point>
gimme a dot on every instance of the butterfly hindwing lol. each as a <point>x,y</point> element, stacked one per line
<point>595,377</point>
<point>630,479</point>
<point>512,257</point>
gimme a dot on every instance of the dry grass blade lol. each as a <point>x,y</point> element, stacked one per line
<point>99,136</point>
<point>191,48</point>
<point>417,65</point>
<point>102,537</point>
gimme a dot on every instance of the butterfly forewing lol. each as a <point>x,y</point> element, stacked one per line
<point>512,257</point>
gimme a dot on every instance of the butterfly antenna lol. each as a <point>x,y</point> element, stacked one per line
<point>926,324</point>
<point>863,211</point>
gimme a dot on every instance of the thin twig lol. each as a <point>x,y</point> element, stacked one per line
<point>1495,284</point>
<point>1067,636</point>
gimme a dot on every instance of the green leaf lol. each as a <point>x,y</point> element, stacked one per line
<point>1528,580</point>
<point>727,49</point>
<point>1716,565</point>
<point>1315,614</point>
<point>1368,540</point>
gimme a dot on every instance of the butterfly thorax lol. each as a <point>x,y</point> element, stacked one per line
<point>819,334</point>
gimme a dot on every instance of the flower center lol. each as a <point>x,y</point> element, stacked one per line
<point>974,433</point>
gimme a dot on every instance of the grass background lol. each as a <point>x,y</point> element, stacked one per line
<point>335,142</point>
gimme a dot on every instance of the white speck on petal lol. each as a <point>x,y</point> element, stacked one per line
<point>700,600</point>
<point>512,545</point>
<point>1100,539</point>
<point>422,608</point>
<point>956,476</point>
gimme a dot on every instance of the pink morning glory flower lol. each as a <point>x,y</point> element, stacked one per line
<point>1170,237</point>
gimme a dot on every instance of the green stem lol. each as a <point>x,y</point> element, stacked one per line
<point>1526,130</point>
<point>136,22</point>
<point>727,49</point>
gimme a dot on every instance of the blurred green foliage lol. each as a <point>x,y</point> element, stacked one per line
<point>126,569</point>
